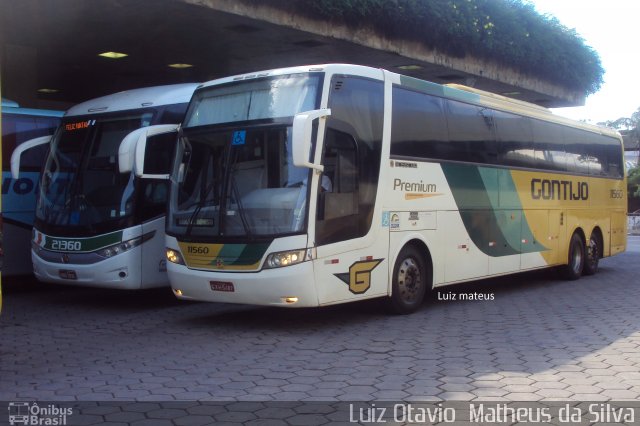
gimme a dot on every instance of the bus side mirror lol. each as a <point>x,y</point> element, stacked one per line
<point>25,146</point>
<point>301,140</point>
<point>131,153</point>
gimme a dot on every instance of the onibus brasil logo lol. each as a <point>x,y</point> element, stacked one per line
<point>28,413</point>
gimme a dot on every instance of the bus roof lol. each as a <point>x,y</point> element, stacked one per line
<point>449,91</point>
<point>12,107</point>
<point>135,99</point>
<point>336,68</point>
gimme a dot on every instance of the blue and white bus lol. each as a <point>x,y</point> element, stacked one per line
<point>95,225</point>
<point>19,195</point>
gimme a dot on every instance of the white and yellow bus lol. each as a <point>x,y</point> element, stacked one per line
<point>318,185</point>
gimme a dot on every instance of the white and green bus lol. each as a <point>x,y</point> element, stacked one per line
<point>319,185</point>
<point>96,224</point>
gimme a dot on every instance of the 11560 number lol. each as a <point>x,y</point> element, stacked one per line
<point>198,250</point>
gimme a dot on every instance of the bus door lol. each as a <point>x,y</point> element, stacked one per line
<point>351,258</point>
<point>151,205</point>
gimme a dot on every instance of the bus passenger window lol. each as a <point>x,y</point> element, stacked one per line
<point>418,126</point>
<point>575,145</point>
<point>471,133</point>
<point>549,146</point>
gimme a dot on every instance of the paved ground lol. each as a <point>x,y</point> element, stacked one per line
<point>540,338</point>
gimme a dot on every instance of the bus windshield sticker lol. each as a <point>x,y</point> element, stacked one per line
<point>385,219</point>
<point>239,137</point>
<point>395,221</point>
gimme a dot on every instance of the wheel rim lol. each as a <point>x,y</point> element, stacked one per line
<point>409,280</point>
<point>577,259</point>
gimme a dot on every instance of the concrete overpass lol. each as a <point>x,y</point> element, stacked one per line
<point>50,49</point>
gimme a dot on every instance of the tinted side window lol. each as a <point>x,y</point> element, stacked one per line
<point>597,154</point>
<point>173,114</point>
<point>418,125</point>
<point>614,157</point>
<point>158,160</point>
<point>515,140</point>
<point>575,143</point>
<point>605,156</point>
<point>471,133</point>
<point>549,146</point>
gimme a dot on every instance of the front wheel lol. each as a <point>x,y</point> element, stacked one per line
<point>573,269</point>
<point>410,279</point>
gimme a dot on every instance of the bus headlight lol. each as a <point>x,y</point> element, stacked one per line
<point>174,256</point>
<point>287,258</point>
<point>120,247</point>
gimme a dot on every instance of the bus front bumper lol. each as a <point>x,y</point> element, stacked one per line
<point>114,272</point>
<point>291,286</point>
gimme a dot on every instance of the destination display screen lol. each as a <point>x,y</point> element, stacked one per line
<point>78,125</point>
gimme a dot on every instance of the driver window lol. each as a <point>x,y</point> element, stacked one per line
<point>351,159</point>
<point>338,188</point>
<point>157,160</point>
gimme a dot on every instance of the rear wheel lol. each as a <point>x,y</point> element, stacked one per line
<point>573,270</point>
<point>594,252</point>
<point>410,280</point>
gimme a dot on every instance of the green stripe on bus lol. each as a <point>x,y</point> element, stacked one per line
<point>85,244</point>
<point>438,90</point>
<point>422,86</point>
<point>490,209</point>
<point>505,204</point>
<point>242,254</point>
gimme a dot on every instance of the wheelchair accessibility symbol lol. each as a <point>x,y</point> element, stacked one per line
<point>239,137</point>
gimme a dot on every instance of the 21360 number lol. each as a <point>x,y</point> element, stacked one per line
<point>66,245</point>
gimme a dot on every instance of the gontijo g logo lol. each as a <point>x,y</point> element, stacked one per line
<point>359,276</point>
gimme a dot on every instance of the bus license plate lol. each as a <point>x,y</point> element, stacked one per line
<point>221,286</point>
<point>67,274</point>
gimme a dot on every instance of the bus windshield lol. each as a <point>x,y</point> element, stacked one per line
<point>81,186</point>
<point>234,174</point>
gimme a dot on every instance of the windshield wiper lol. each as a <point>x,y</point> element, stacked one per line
<point>243,217</point>
<point>201,204</point>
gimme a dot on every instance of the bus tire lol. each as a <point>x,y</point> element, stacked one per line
<point>409,281</point>
<point>593,254</point>
<point>575,265</point>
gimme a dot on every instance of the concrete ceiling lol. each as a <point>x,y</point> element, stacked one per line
<point>54,44</point>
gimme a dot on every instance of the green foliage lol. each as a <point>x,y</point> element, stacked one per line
<point>508,31</point>
<point>633,182</point>
<point>629,128</point>
<point>625,123</point>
